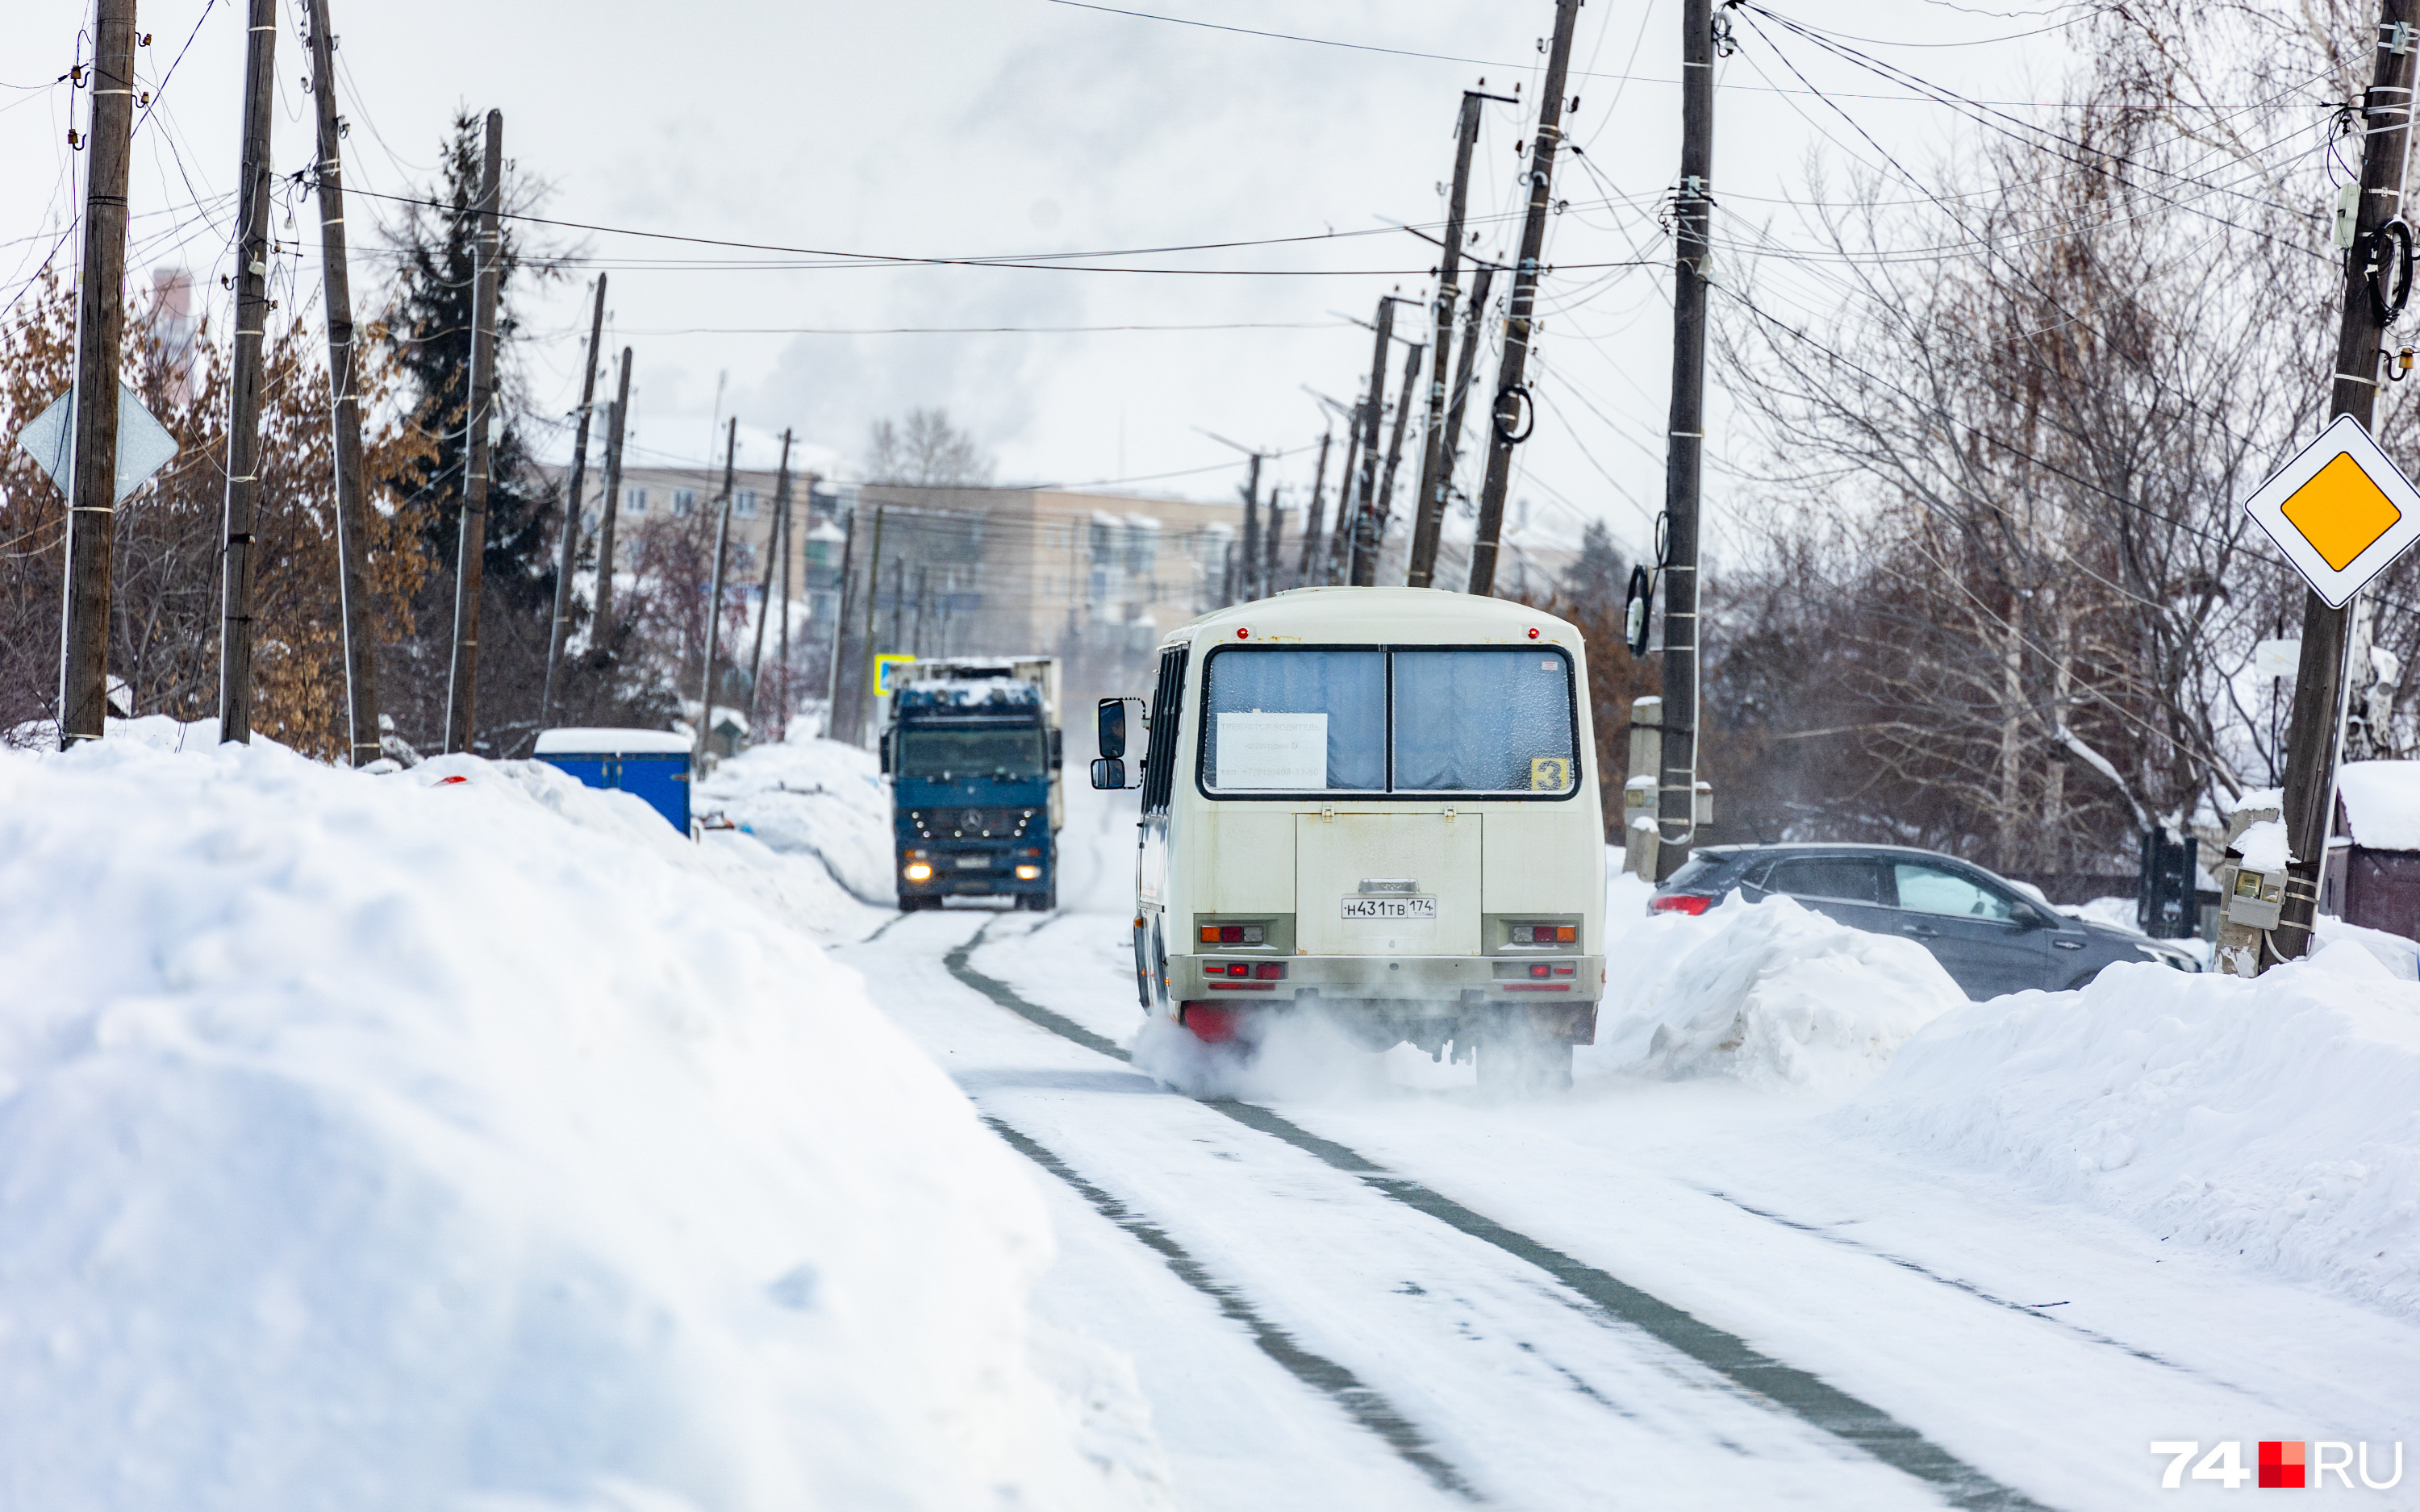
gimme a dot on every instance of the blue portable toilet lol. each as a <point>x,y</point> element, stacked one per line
<point>652,764</point>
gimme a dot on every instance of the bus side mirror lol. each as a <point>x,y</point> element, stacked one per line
<point>1057,750</point>
<point>1111,717</point>
<point>883,744</point>
<point>1109,772</point>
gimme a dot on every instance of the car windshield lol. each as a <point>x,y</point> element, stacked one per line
<point>1010,752</point>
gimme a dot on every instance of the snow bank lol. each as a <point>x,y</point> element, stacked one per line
<point>1770,993</point>
<point>383,1142</point>
<point>817,797</point>
<point>2275,1117</point>
<point>2381,803</point>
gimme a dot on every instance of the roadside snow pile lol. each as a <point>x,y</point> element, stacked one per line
<point>818,797</point>
<point>2275,1117</point>
<point>375,1143</point>
<point>798,890</point>
<point>1770,993</point>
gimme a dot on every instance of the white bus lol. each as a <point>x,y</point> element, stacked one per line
<point>1379,803</point>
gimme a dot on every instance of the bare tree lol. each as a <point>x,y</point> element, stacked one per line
<point>924,450</point>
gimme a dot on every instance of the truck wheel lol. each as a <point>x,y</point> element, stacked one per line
<point>1521,1063</point>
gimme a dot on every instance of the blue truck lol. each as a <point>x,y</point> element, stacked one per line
<point>972,752</point>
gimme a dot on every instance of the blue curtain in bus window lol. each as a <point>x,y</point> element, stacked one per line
<point>1348,686</point>
<point>1486,721</point>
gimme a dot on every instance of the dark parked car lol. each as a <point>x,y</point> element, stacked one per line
<point>1990,935</point>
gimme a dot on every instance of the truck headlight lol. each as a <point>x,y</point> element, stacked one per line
<point>916,871</point>
<point>1027,874</point>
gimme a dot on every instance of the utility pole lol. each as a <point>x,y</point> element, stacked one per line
<point>1365,571</point>
<point>481,423</point>
<point>1472,327</point>
<point>773,550</point>
<point>1509,390</point>
<point>243,386</point>
<point>714,601</point>
<point>1251,533</point>
<point>865,688</point>
<point>101,329</point>
<point>1676,804</point>
<point>601,635</point>
<point>1430,520</point>
<point>1362,532</point>
<point>344,416</point>
<point>2319,680</point>
<point>1273,569</point>
<point>1336,555</point>
<point>789,549</point>
<point>1302,573</point>
<point>842,602</point>
<point>570,508</point>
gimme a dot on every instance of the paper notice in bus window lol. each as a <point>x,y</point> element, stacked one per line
<point>1285,753</point>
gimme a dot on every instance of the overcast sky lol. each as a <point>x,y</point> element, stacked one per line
<point>940,128</point>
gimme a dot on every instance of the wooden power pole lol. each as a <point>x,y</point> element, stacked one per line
<point>2318,678</point>
<point>344,409</point>
<point>101,329</point>
<point>243,386</point>
<point>714,599</point>
<point>1676,804</point>
<point>1247,567</point>
<point>1303,571</point>
<point>481,423</point>
<point>1473,328</point>
<point>600,634</point>
<point>1394,457</point>
<point>1335,562</point>
<point>774,549</point>
<point>570,553</point>
<point>1365,534</point>
<point>1428,523</point>
<point>1519,326</point>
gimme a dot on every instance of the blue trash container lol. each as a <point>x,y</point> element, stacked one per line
<point>651,764</point>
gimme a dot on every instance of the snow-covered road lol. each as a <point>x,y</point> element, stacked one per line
<point>1379,1289</point>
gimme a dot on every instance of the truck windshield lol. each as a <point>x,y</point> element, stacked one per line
<point>949,753</point>
<point>1410,719</point>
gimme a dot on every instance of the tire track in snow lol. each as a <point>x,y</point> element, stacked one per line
<point>1804,1395</point>
<point>1362,1403</point>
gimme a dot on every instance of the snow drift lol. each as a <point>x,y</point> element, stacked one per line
<point>386,1142</point>
<point>818,797</point>
<point>1770,993</point>
<point>2274,1117</point>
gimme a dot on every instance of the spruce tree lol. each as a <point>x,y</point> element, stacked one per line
<point>430,334</point>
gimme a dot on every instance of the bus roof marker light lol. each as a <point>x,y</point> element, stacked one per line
<point>1243,633</point>
<point>1533,632</point>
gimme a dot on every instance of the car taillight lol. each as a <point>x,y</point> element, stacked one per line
<point>1680,903</point>
<point>1542,970</point>
<point>1233,933</point>
<point>1267,970</point>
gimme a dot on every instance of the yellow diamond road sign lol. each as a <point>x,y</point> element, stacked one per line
<point>2340,511</point>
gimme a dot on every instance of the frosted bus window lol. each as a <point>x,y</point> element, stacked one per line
<point>1345,689</point>
<point>1483,721</point>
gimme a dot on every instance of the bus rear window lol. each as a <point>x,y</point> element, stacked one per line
<point>1483,721</point>
<point>1289,719</point>
<point>1286,720</point>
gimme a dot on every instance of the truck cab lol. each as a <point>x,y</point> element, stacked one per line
<point>972,752</point>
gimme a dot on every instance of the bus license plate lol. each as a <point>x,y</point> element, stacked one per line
<point>1399,907</point>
